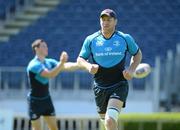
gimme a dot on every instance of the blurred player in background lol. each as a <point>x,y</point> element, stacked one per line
<point>39,70</point>
<point>108,49</point>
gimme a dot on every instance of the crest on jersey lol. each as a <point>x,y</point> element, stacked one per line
<point>99,43</point>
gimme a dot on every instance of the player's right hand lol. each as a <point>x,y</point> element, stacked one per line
<point>128,74</point>
<point>63,57</point>
<point>93,68</point>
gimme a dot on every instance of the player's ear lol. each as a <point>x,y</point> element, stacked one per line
<point>115,22</point>
<point>35,49</point>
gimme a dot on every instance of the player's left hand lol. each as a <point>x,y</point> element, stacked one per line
<point>64,57</point>
<point>128,74</point>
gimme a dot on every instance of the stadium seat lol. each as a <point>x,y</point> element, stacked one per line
<point>153,24</point>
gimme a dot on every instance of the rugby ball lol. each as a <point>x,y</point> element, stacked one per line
<point>142,70</point>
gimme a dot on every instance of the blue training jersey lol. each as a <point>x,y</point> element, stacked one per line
<point>39,85</point>
<point>109,54</point>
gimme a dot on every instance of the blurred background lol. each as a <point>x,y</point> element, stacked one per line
<point>64,24</point>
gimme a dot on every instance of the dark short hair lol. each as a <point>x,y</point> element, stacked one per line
<point>109,12</point>
<point>36,43</point>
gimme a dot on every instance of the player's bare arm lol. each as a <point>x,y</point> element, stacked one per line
<point>71,66</point>
<point>91,68</point>
<point>52,73</point>
<point>135,61</point>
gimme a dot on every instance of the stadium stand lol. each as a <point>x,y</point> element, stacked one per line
<point>10,7</point>
<point>6,6</point>
<point>154,25</point>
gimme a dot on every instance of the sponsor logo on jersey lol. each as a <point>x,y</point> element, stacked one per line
<point>116,43</point>
<point>108,49</point>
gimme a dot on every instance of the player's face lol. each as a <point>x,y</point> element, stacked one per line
<point>43,49</point>
<point>108,23</point>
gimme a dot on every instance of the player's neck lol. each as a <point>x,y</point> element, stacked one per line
<point>40,57</point>
<point>107,34</point>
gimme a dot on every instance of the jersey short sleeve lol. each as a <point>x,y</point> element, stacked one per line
<point>85,50</point>
<point>53,62</point>
<point>35,67</point>
<point>131,44</point>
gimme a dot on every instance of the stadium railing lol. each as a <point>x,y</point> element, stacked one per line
<point>161,86</point>
<point>14,79</point>
<point>153,121</point>
<point>76,122</point>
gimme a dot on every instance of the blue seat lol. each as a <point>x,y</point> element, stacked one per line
<point>85,80</point>
<point>67,80</point>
